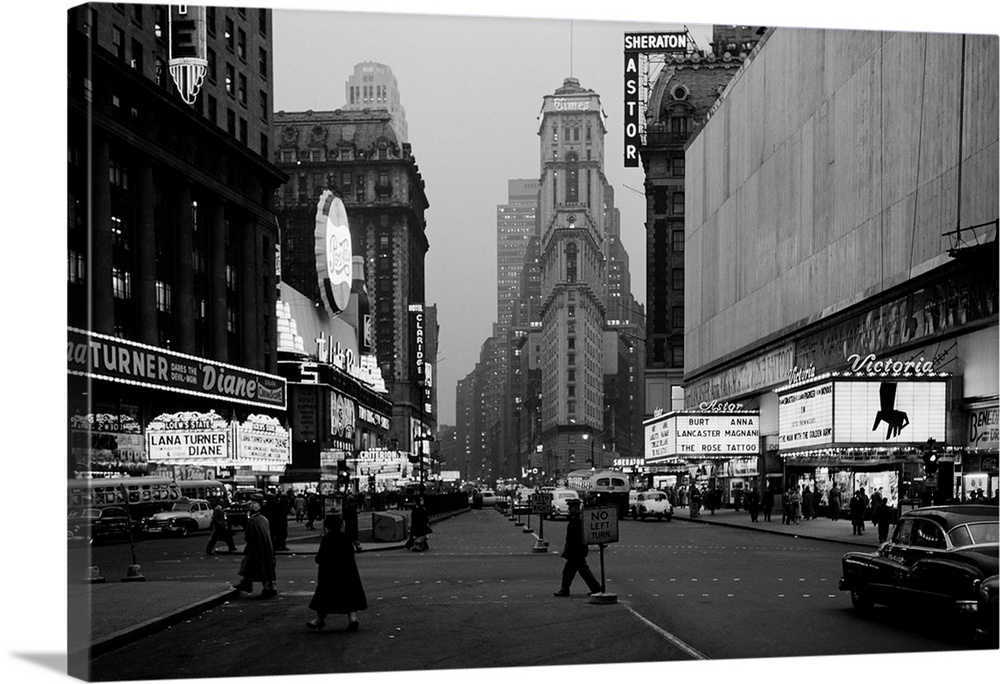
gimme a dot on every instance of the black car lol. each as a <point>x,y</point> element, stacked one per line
<point>937,558</point>
<point>95,525</point>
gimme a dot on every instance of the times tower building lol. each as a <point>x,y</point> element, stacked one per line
<point>573,275</point>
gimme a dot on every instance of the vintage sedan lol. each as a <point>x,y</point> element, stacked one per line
<point>652,503</point>
<point>184,517</point>
<point>95,525</point>
<point>936,559</point>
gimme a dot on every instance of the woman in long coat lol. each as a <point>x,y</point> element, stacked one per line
<point>338,582</point>
<point>258,563</point>
<point>420,527</point>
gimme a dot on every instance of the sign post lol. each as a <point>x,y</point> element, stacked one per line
<point>600,526</point>
<point>540,503</point>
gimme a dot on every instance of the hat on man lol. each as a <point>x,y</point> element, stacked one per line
<point>573,502</point>
<point>254,507</point>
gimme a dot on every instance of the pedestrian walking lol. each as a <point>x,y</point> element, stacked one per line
<point>314,511</point>
<point>575,552</point>
<point>220,531</point>
<point>808,510</point>
<point>753,503</point>
<point>856,508</point>
<point>300,507</point>
<point>258,564</point>
<point>339,590</point>
<point>882,519</point>
<point>835,502</point>
<point>796,505</point>
<point>420,527</point>
<point>738,500</point>
<point>767,503</point>
<point>786,506</point>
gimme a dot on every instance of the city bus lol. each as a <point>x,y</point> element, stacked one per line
<point>143,495</point>
<point>601,488</point>
<point>212,491</point>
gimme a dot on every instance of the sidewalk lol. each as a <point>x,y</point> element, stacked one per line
<point>819,528</point>
<point>115,613</point>
<point>122,612</point>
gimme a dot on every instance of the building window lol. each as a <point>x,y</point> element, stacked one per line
<point>263,145</point>
<point>677,204</point>
<point>677,278</point>
<point>262,21</point>
<point>241,44</point>
<point>230,31</point>
<point>210,20</point>
<point>243,89</point>
<point>164,301</point>
<point>677,321</point>
<point>118,42</point>
<point>571,253</point>
<point>137,55</point>
<point>77,268</point>
<point>677,240</point>
<point>262,63</point>
<point>572,181</point>
<point>230,79</point>
<point>122,283</point>
<point>213,109</point>
<point>677,356</point>
<point>678,166</point>
<point>231,122</point>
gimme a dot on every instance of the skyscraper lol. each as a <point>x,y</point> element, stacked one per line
<point>374,86</point>
<point>574,275</point>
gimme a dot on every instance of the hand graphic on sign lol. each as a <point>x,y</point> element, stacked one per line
<point>896,420</point>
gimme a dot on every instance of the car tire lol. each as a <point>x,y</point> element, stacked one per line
<point>184,530</point>
<point>861,599</point>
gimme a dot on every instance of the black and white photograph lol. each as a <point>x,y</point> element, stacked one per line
<point>528,341</point>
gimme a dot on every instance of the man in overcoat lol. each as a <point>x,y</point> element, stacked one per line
<point>258,563</point>
<point>575,552</point>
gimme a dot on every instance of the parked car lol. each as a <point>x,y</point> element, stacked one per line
<point>559,508</point>
<point>986,608</point>
<point>650,503</point>
<point>185,516</point>
<point>938,558</point>
<point>95,525</point>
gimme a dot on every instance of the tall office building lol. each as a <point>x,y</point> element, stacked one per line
<point>374,86</point>
<point>574,275</point>
<point>516,224</point>
<point>171,236</point>
<point>357,155</point>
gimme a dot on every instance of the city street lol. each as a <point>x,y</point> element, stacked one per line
<point>481,598</point>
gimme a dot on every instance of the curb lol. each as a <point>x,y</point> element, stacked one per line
<point>151,626</point>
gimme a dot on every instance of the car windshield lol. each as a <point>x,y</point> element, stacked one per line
<point>181,507</point>
<point>655,497</point>
<point>975,533</point>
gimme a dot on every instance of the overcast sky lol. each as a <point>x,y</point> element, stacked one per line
<point>472,88</point>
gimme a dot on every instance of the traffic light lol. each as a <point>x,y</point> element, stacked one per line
<point>343,474</point>
<point>930,456</point>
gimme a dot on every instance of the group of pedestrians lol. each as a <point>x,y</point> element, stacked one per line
<point>339,589</point>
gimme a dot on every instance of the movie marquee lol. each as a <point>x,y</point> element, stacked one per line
<point>676,437</point>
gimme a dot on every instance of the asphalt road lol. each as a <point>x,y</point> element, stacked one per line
<point>481,599</point>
